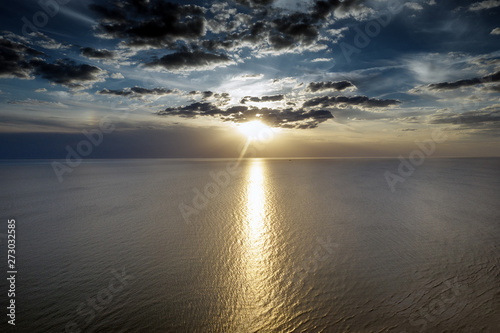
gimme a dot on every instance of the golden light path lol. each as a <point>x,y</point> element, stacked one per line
<point>257,253</point>
<point>256,208</point>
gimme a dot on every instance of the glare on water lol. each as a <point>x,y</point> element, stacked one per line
<point>257,257</point>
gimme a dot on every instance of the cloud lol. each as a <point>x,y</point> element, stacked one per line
<point>246,77</point>
<point>495,31</point>
<point>193,110</point>
<point>222,98</point>
<point>294,28</point>
<point>277,32</point>
<point>487,115</point>
<point>274,98</point>
<point>187,60</point>
<point>488,4</point>
<point>286,118</point>
<point>319,86</point>
<point>117,76</point>
<point>495,88</point>
<point>336,34</point>
<point>152,23</point>
<point>14,59</point>
<point>414,6</point>
<point>323,8</point>
<point>68,73</point>
<point>252,76</point>
<point>345,101</point>
<point>138,92</point>
<point>20,61</point>
<point>47,42</point>
<point>40,90</point>
<point>37,102</point>
<point>268,30</point>
<point>352,8</point>
<point>255,3</point>
<point>285,80</point>
<point>322,60</point>
<point>465,83</point>
<point>92,53</point>
<point>294,32</point>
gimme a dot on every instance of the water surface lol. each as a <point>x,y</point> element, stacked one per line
<point>264,246</point>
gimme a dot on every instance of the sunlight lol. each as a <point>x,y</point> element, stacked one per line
<point>260,306</point>
<point>256,202</point>
<point>257,255</point>
<point>253,129</point>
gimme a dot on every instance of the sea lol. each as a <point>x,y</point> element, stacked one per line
<point>256,245</point>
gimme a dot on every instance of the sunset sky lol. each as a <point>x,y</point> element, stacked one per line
<point>177,79</point>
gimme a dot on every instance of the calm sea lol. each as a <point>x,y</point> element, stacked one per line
<point>262,246</point>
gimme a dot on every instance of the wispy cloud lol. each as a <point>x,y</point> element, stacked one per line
<point>495,31</point>
<point>488,4</point>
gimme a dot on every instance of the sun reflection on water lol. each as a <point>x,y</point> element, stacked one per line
<point>257,253</point>
<point>256,207</point>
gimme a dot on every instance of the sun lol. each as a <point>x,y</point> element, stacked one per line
<point>253,129</point>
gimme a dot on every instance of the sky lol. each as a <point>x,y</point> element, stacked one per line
<point>329,78</point>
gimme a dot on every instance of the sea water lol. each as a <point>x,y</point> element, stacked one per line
<point>262,245</point>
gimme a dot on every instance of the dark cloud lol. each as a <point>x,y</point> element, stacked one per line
<point>495,88</point>
<point>154,91</point>
<point>212,44</point>
<point>465,83</point>
<point>207,94</point>
<point>20,61</point>
<point>252,76</point>
<point>162,24</point>
<point>150,23</point>
<point>281,42</point>
<point>187,60</point>
<point>193,110</point>
<point>344,101</point>
<point>297,28</point>
<point>255,3</point>
<point>323,8</point>
<point>36,102</point>
<point>68,73</point>
<point>223,98</point>
<point>92,53</point>
<point>255,32</point>
<point>14,59</point>
<point>138,92</point>
<point>274,98</point>
<point>47,42</point>
<point>318,86</point>
<point>286,32</point>
<point>480,117</point>
<point>287,118</point>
